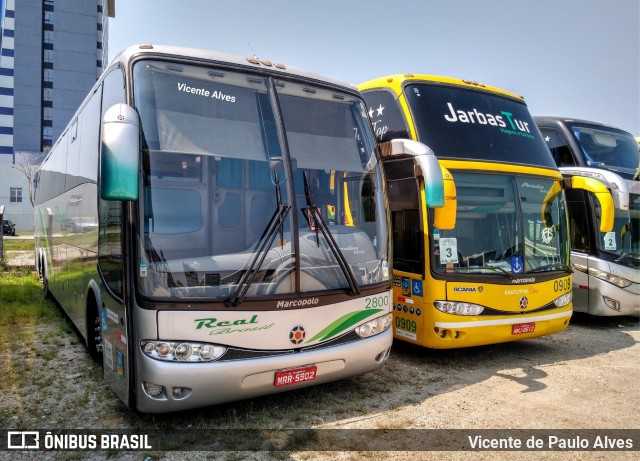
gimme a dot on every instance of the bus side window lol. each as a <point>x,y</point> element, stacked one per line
<point>558,146</point>
<point>578,220</point>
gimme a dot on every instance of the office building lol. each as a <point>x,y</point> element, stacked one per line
<point>51,53</point>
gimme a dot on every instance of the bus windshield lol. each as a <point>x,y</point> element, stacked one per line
<point>624,238</point>
<point>227,210</point>
<point>466,124</point>
<point>506,225</point>
<point>608,148</point>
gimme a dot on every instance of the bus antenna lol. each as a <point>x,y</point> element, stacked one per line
<point>254,53</point>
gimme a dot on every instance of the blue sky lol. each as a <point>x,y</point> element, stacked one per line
<point>572,58</point>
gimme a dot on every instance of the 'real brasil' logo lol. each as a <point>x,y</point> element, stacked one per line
<point>224,327</point>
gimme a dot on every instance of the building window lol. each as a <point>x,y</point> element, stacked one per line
<point>15,194</point>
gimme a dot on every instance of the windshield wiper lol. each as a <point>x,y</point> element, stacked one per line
<point>628,259</point>
<point>551,267</point>
<point>314,216</point>
<point>494,269</point>
<point>265,241</point>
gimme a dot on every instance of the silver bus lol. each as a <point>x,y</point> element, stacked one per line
<point>216,229</point>
<point>606,279</point>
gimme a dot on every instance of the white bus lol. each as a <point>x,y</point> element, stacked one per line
<point>606,278</point>
<point>216,229</point>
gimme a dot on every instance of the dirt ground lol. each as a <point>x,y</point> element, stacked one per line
<point>587,377</point>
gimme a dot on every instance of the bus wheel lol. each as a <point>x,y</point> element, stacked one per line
<point>94,338</point>
<point>45,287</point>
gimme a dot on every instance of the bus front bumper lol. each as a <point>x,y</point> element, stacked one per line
<point>194,385</point>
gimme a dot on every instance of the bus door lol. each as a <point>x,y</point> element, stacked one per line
<point>416,182</point>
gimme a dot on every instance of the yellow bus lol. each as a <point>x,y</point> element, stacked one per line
<point>492,265</point>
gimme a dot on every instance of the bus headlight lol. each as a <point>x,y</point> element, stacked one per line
<point>375,326</point>
<point>182,351</point>
<point>458,308</point>
<point>563,300</point>
<point>608,277</point>
<point>602,275</point>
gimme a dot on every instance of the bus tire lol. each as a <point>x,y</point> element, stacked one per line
<point>46,292</point>
<point>94,337</point>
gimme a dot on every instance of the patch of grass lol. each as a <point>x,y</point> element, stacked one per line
<point>21,300</point>
<point>10,244</point>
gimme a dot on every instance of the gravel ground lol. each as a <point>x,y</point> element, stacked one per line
<point>587,377</point>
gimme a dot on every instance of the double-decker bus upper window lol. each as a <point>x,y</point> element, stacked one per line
<point>386,116</point>
<point>468,124</point>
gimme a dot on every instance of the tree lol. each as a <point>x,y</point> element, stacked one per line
<point>28,164</point>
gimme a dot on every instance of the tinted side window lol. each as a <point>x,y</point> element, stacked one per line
<point>385,114</point>
<point>558,146</point>
<point>408,237</point>
<point>578,219</point>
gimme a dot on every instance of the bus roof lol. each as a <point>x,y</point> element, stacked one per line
<point>551,119</point>
<point>396,82</point>
<point>253,63</point>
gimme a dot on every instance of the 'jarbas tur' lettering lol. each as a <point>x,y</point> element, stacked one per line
<point>474,116</point>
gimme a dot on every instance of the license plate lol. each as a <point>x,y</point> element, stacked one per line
<point>521,328</point>
<point>295,376</point>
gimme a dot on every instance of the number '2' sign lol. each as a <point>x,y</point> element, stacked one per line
<point>610,241</point>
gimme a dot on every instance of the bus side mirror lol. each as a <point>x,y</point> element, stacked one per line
<point>120,153</point>
<point>547,219</point>
<point>603,196</point>
<point>445,217</point>
<point>426,165</point>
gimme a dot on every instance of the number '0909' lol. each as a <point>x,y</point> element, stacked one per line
<point>406,324</point>
<point>562,284</point>
<point>377,302</point>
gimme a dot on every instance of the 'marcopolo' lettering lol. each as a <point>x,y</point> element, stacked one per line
<point>298,303</point>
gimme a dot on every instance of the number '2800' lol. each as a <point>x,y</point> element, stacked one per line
<point>377,302</point>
